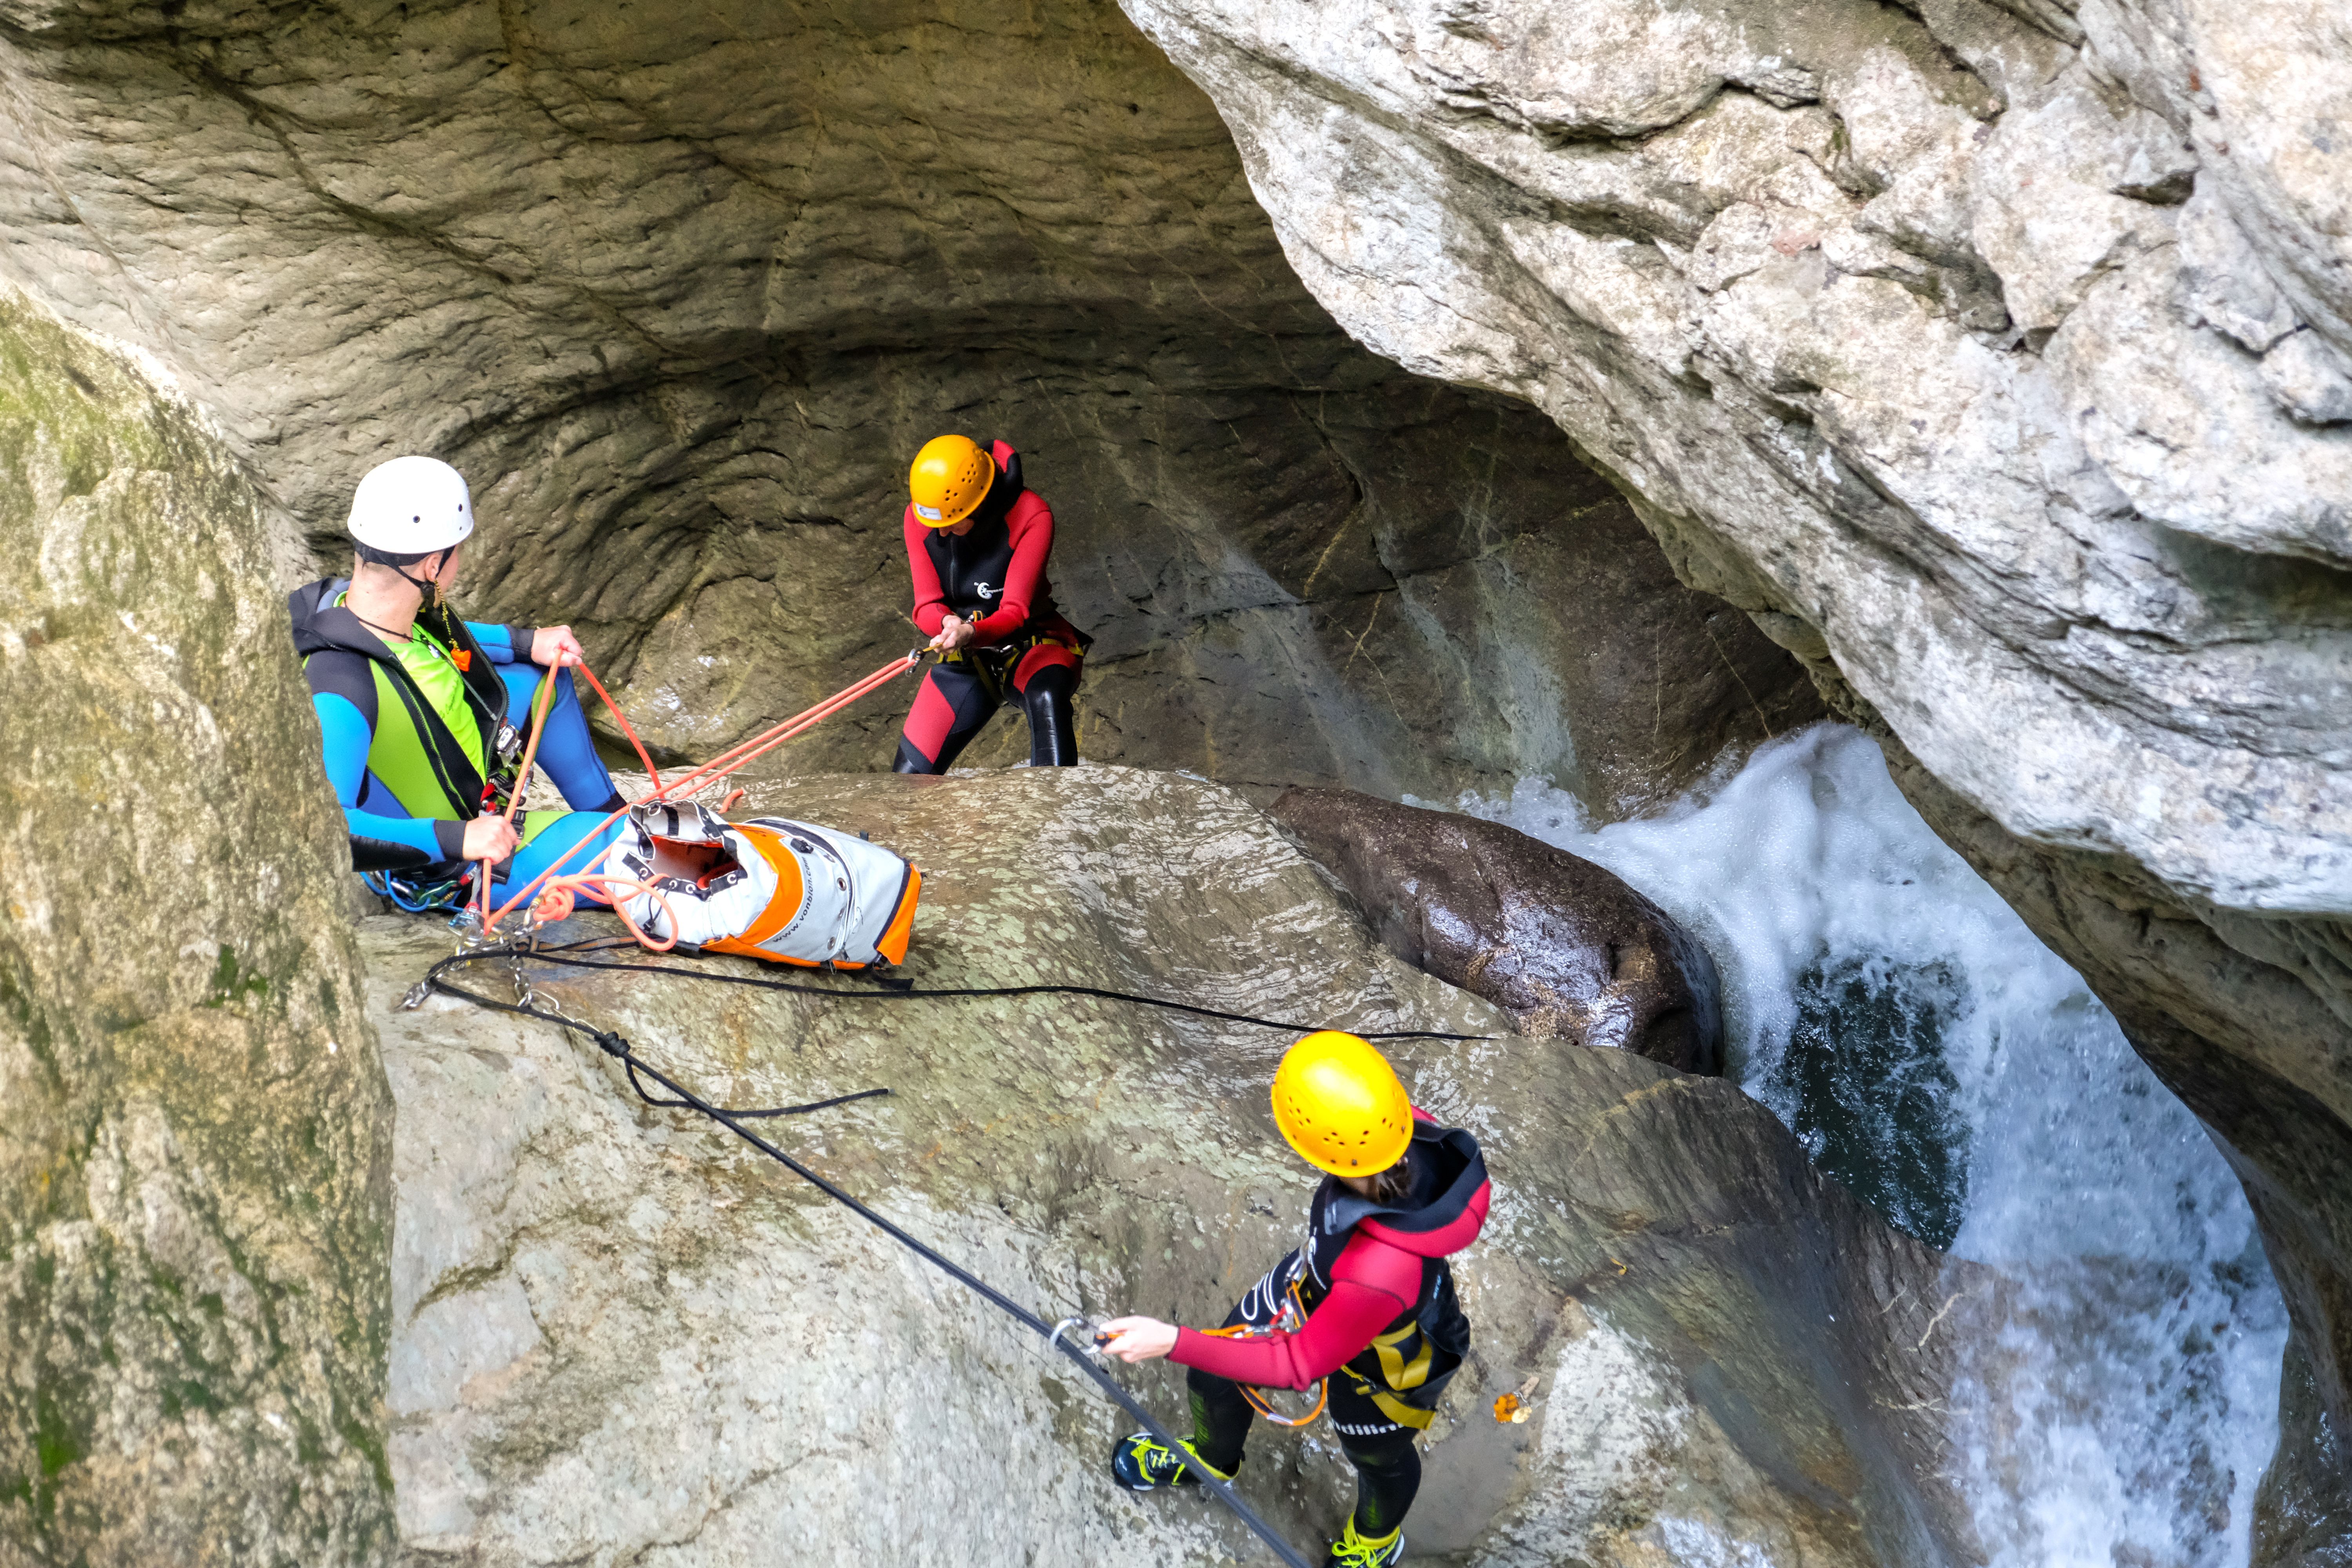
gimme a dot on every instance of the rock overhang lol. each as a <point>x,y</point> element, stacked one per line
<point>1780,375</point>
<point>1991,359</point>
<point>681,299</point>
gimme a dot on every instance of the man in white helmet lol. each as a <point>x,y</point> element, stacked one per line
<point>422,714</point>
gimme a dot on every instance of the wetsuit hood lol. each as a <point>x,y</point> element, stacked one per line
<point>320,624</point>
<point>1444,1212</point>
<point>1005,487</point>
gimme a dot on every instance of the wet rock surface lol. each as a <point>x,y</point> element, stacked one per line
<point>622,1337</point>
<point>1564,945</point>
<point>1991,358</point>
<point>194,1209</point>
<point>684,300</point>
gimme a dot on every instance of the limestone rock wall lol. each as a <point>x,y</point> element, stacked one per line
<point>684,299</point>
<point>1997,360</point>
<point>621,1337</point>
<point>194,1203</point>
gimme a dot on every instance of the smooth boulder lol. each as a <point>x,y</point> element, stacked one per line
<point>1563,944</point>
<point>622,1337</point>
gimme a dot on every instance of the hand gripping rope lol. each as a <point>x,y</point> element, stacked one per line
<point>1055,1335</point>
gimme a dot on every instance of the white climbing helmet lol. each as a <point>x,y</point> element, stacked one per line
<point>412,507</point>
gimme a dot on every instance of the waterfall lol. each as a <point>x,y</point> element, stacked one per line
<point>2119,1404</point>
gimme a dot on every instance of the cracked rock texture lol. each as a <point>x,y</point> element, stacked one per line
<point>195,1208</point>
<point>625,1337</point>
<point>1996,360</point>
<point>682,300</point>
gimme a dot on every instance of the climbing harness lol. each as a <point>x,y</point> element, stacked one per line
<point>1289,1318</point>
<point>995,667</point>
<point>678,1097</point>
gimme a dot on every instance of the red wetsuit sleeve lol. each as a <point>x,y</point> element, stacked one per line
<point>1030,524</point>
<point>1372,1285</point>
<point>931,599</point>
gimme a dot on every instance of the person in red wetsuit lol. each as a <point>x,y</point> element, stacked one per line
<point>1367,1301</point>
<point>977,540</point>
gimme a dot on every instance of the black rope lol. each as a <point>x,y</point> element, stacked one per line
<point>614,1045</point>
<point>893,992</point>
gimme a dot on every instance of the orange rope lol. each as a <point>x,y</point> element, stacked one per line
<point>702,777</point>
<point>542,703</point>
<point>555,901</point>
<point>614,709</point>
<point>1294,1314</point>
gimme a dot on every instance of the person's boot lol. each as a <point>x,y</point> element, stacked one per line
<point>1141,1463</point>
<point>1352,1551</point>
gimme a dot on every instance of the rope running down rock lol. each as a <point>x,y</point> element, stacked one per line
<point>550,886</point>
<point>892,992</point>
<point>682,1097</point>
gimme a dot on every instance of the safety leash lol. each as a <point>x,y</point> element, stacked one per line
<point>682,1097</point>
<point>557,955</point>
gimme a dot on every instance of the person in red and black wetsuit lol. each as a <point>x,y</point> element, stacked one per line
<point>977,541</point>
<point>1366,1302</point>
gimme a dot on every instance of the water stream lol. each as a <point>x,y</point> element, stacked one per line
<point>1953,1072</point>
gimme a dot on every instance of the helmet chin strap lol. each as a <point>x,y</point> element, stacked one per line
<point>428,587</point>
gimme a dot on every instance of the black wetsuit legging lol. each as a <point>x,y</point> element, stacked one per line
<point>1387,1465</point>
<point>1053,731</point>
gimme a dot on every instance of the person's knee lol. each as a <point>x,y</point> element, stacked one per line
<point>1055,681</point>
<point>1390,1454</point>
<point>567,693</point>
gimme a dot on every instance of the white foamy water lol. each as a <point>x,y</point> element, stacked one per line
<point>2119,1407</point>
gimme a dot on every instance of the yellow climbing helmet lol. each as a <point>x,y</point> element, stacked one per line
<point>950,477</point>
<point>1339,1103</point>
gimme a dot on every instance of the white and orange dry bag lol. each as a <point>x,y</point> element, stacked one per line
<point>790,892</point>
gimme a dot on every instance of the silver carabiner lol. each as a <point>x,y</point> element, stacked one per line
<point>1094,1334</point>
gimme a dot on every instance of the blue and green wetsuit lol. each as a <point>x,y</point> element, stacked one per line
<point>419,739</point>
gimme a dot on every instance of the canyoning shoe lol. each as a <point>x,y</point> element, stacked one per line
<point>1352,1551</point>
<point>1141,1463</point>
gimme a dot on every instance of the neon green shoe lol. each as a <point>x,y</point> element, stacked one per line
<point>1141,1463</point>
<point>1352,1551</point>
